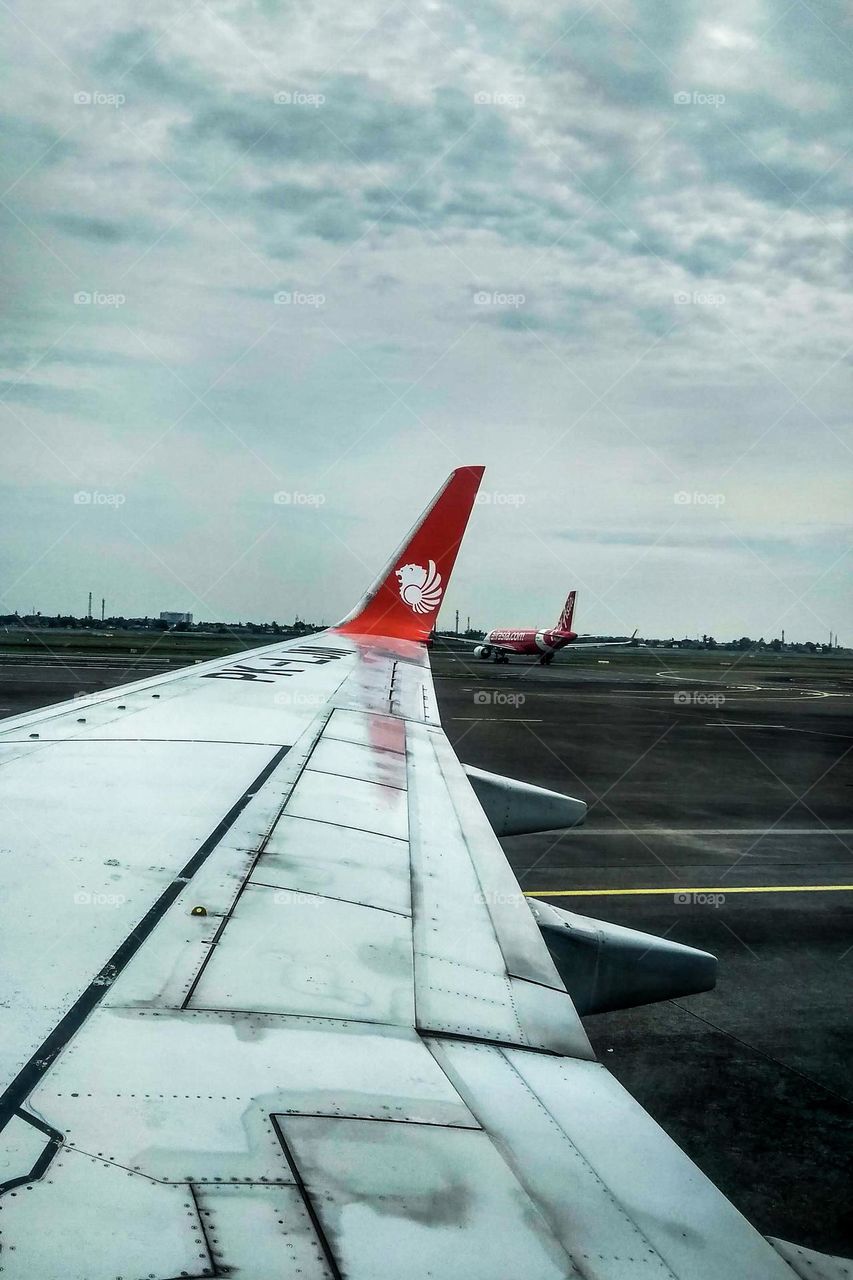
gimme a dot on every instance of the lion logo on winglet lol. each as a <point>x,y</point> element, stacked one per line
<point>420,588</point>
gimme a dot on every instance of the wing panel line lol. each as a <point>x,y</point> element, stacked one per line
<point>308,1202</point>
<point>32,1072</point>
<point>317,734</point>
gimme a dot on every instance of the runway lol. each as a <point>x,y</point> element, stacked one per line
<point>719,816</point>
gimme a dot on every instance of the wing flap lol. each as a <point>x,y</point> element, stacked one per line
<point>511,917</point>
<point>427,1197</point>
<point>807,1264</point>
<point>654,1182</point>
<point>580,1209</point>
<point>479,967</point>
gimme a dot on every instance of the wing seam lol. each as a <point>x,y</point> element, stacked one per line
<point>56,1040</point>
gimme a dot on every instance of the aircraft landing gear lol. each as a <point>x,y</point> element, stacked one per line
<point>501,657</point>
<point>546,659</point>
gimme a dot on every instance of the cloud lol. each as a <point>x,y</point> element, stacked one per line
<point>766,542</point>
<point>98,229</point>
<point>661,192</point>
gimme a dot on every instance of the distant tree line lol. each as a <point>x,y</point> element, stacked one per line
<point>744,645</point>
<point>66,621</point>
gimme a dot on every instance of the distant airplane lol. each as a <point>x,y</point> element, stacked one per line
<point>542,643</point>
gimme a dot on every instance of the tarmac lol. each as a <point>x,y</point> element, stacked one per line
<point>720,815</point>
<point>722,788</point>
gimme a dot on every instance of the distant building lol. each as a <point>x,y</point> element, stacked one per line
<point>174,618</point>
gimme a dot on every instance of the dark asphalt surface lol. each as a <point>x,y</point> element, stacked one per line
<point>754,1079</point>
<point>686,792</point>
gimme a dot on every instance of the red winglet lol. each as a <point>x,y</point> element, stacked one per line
<point>404,600</point>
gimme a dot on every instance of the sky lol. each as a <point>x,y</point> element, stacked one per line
<point>272,270</point>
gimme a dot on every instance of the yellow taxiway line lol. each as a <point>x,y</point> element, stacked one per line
<point>678,889</point>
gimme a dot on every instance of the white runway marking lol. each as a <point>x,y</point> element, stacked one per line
<point>678,892</point>
<point>685,678</point>
<point>494,720</point>
<point>784,728</point>
<point>717,831</point>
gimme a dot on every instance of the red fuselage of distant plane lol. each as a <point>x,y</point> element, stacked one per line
<point>526,640</point>
<point>542,642</point>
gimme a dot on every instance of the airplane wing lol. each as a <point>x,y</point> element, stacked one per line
<point>274,1005</point>
<point>605,644</point>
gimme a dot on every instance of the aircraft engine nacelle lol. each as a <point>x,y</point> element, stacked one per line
<point>606,966</point>
<point>482,651</point>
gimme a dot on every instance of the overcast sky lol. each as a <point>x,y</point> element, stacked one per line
<point>330,251</point>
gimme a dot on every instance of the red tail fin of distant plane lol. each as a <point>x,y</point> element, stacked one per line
<point>404,600</point>
<point>565,620</point>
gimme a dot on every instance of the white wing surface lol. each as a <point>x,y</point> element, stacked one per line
<point>274,1005</point>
